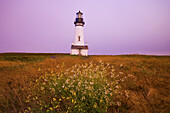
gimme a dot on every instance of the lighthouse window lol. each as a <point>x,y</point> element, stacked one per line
<point>78,38</point>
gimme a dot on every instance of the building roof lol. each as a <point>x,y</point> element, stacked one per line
<point>79,47</point>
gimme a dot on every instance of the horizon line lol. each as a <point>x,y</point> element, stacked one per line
<point>66,53</point>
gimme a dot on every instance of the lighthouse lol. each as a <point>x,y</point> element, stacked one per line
<point>78,47</point>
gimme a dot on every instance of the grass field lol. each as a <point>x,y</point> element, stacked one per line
<point>64,83</point>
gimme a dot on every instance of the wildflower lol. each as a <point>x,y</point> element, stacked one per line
<point>111,94</point>
<point>51,108</point>
<point>55,84</point>
<point>54,99</point>
<point>91,83</point>
<point>95,105</point>
<point>43,83</point>
<point>121,72</point>
<point>39,69</point>
<point>65,88</point>
<point>113,70</point>
<point>72,101</point>
<point>117,87</point>
<point>100,61</point>
<point>116,91</point>
<point>119,103</point>
<point>56,107</point>
<point>42,88</point>
<point>53,89</point>
<point>121,65</point>
<point>27,100</point>
<point>126,93</point>
<point>63,97</point>
<point>75,106</point>
<point>83,98</point>
<point>29,108</point>
<point>122,79</point>
<point>101,101</point>
<point>111,103</point>
<point>67,81</point>
<point>68,98</point>
<point>90,80</point>
<point>79,84</point>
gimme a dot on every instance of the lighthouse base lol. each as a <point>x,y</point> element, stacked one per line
<point>79,50</point>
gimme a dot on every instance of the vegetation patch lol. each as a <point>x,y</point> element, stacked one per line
<point>64,83</point>
<point>84,88</point>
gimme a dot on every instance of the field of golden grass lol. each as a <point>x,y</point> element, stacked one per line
<point>149,91</point>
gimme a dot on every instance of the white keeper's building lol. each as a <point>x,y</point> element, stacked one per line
<point>78,47</point>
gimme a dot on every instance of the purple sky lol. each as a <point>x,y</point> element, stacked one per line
<point>112,26</point>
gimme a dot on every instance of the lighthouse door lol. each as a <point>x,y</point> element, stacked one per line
<point>79,52</point>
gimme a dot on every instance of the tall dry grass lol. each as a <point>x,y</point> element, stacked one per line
<point>149,93</point>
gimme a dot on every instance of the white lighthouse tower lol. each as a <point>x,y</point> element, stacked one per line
<point>78,47</point>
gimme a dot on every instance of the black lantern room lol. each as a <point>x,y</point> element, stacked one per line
<point>79,19</point>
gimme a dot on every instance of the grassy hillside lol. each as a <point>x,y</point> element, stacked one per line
<point>143,83</point>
